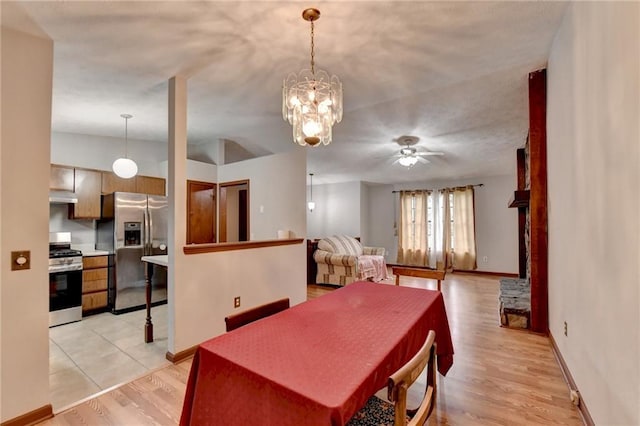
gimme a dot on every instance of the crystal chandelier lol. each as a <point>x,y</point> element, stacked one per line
<point>311,101</point>
<point>125,167</point>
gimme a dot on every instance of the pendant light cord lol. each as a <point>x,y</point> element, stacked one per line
<point>126,137</point>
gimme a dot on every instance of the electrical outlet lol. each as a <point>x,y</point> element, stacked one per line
<point>565,329</point>
<point>236,302</point>
<point>485,259</point>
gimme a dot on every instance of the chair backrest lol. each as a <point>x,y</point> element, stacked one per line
<point>243,318</point>
<point>400,381</point>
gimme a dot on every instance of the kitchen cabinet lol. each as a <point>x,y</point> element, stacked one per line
<point>61,178</point>
<point>95,280</point>
<point>150,185</point>
<point>139,184</point>
<point>87,189</point>
<point>113,183</point>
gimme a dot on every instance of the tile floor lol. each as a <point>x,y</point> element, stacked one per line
<point>102,351</point>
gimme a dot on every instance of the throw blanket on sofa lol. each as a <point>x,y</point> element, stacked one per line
<point>373,267</point>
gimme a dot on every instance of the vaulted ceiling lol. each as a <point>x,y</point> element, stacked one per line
<point>453,74</point>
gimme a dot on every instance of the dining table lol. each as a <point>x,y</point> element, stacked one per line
<point>316,363</point>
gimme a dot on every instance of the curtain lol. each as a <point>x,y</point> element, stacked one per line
<point>412,238</point>
<point>464,233</point>
<point>442,230</point>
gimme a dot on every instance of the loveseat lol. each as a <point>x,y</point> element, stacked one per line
<point>342,259</point>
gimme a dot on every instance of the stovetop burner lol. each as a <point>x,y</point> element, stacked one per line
<point>62,249</point>
<point>63,252</point>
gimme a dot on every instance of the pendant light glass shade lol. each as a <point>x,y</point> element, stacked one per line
<point>408,161</point>
<point>125,167</point>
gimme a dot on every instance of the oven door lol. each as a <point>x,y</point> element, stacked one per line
<point>65,297</point>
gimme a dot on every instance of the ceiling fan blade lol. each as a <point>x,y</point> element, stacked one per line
<point>427,153</point>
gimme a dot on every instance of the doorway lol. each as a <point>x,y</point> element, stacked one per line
<point>201,212</point>
<point>234,211</point>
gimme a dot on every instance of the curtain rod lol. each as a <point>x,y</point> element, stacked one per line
<point>463,186</point>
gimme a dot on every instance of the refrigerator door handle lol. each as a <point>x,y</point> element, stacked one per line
<point>149,235</point>
<point>145,242</point>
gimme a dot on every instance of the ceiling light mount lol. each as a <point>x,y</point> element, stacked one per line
<point>407,140</point>
<point>311,14</point>
<point>311,100</point>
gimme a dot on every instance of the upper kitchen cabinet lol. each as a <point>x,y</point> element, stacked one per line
<point>150,185</point>
<point>139,184</point>
<point>61,178</point>
<point>87,189</point>
<point>113,183</point>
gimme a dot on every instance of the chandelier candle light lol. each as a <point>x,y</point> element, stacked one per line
<point>311,101</point>
<point>125,167</point>
<point>311,204</point>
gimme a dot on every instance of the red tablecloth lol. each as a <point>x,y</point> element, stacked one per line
<point>316,363</point>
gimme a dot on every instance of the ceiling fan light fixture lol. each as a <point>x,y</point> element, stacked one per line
<point>408,160</point>
<point>311,100</point>
<point>124,167</point>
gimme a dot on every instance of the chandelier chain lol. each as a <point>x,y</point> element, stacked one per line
<point>313,63</point>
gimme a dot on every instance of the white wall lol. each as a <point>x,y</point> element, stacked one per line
<point>27,70</point>
<point>209,282</point>
<point>364,214</point>
<point>593,162</point>
<point>337,210</point>
<point>380,208</point>
<point>496,224</point>
<point>277,183</point>
<point>99,152</point>
<point>83,232</point>
<point>202,286</point>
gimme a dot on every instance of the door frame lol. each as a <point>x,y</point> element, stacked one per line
<point>222,205</point>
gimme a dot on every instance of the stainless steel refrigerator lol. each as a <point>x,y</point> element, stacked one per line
<point>132,226</point>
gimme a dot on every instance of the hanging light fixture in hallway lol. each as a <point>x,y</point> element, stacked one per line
<point>311,204</point>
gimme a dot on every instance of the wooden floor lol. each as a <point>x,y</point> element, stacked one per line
<point>500,376</point>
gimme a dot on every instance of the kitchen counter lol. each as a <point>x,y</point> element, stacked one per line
<point>162,259</point>
<point>90,253</point>
<point>89,250</point>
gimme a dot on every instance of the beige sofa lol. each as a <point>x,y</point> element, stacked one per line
<point>342,259</point>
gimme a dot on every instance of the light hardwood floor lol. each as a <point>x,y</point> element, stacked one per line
<point>500,376</point>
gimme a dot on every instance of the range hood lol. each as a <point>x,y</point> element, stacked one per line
<point>62,197</point>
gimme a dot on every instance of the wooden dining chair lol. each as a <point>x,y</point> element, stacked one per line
<point>380,412</point>
<point>250,315</point>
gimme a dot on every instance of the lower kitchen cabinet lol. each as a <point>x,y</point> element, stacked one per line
<point>95,275</point>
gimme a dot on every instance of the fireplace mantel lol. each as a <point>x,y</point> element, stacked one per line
<point>520,199</point>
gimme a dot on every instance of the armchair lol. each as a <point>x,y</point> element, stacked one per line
<point>342,259</point>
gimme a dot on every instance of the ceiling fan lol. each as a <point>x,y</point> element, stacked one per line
<point>409,155</point>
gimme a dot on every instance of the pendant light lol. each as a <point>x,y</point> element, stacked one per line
<point>124,167</point>
<point>311,204</point>
<point>311,100</point>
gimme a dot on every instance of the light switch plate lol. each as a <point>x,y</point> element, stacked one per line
<point>20,260</point>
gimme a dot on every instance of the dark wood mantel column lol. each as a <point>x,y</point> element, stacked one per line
<point>538,201</point>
